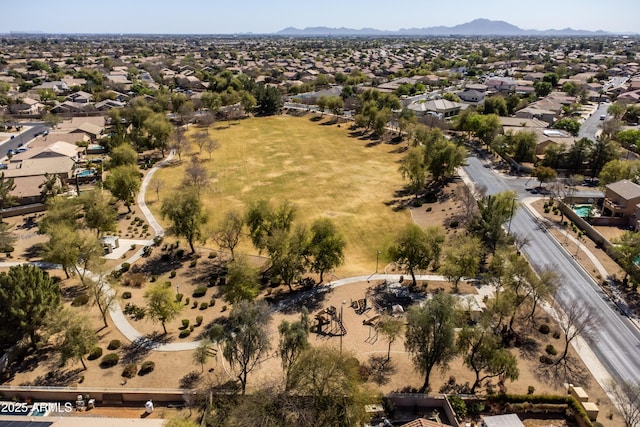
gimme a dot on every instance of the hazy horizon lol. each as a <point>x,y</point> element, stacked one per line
<point>267,17</point>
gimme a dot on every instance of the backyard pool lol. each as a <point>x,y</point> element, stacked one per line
<point>583,211</point>
<point>86,172</point>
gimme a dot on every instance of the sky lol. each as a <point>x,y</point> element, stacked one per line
<point>269,16</point>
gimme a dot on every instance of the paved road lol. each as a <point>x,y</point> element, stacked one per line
<point>617,345</point>
<point>34,129</point>
<point>591,127</point>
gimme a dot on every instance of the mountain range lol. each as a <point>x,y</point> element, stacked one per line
<point>477,27</point>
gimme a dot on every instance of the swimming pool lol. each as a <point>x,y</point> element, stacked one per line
<point>583,211</point>
<point>86,172</point>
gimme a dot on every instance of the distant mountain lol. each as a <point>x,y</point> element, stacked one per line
<point>477,27</point>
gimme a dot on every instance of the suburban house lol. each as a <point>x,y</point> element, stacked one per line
<point>471,96</point>
<point>621,200</point>
<point>439,107</point>
<point>80,97</point>
<point>91,130</point>
<point>501,84</point>
<point>26,106</point>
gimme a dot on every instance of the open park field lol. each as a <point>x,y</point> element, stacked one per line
<point>317,166</point>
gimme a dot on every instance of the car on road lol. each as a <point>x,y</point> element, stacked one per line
<point>603,116</point>
<point>10,153</point>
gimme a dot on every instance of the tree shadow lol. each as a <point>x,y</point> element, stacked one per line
<point>190,380</point>
<point>380,369</point>
<point>570,371</point>
<point>529,348</point>
<point>292,302</point>
<point>57,378</point>
<point>138,349</point>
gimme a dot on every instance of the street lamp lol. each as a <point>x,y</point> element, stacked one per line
<point>341,323</point>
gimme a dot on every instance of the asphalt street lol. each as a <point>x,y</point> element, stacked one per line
<point>617,343</point>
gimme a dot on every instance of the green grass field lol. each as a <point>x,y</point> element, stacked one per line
<point>318,167</point>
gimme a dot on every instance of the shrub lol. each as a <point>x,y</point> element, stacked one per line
<point>199,292</point>
<point>179,253</point>
<point>185,323</point>
<point>179,297</point>
<point>212,255</point>
<point>198,320</point>
<point>172,274</point>
<point>556,334</point>
<point>154,277</point>
<point>114,345</point>
<point>544,329</point>
<point>551,350</point>
<point>212,302</point>
<point>458,405</point>
<point>109,360</point>
<point>204,306</point>
<point>81,299</point>
<point>185,333</point>
<point>130,370</point>
<point>191,328</point>
<point>186,302</point>
<point>546,360</point>
<point>126,295</point>
<point>416,203</point>
<point>224,308</point>
<point>147,367</point>
<point>94,353</point>
<point>195,304</point>
<point>125,267</point>
<point>193,263</point>
<point>531,389</point>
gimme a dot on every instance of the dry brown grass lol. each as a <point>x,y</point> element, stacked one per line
<point>317,166</point>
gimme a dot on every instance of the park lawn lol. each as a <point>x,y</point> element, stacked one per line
<point>317,166</point>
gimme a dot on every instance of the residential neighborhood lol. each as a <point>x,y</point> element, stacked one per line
<point>367,193</point>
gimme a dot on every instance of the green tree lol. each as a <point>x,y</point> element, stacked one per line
<point>544,174</point>
<point>158,129</point>
<point>162,305</point>
<point>578,154</point>
<point>390,328</point>
<point>51,120</point>
<point>7,185</point>
<point>417,249</point>
<point>551,78</point>
<point>122,155</point>
<point>289,252</point>
<point>413,168</point>
<point>124,183</point>
<point>617,170</point>
<point>58,250</point>
<point>332,381</point>
<point>495,105</point>
<point>228,234</point>
<point>99,212</point>
<point>268,99</point>
<point>51,186</point>
<point>494,211</point>
<point>247,339</point>
<point>484,355</point>
<point>542,89</point>
<point>462,258</point>
<point>326,246</point>
<point>263,221</point>
<point>444,158</point>
<point>294,340</point>
<point>27,295</point>
<point>570,125</point>
<point>202,352</point>
<point>248,101</point>
<point>616,110</point>
<point>602,152</point>
<point>629,138</point>
<point>75,336</point>
<point>627,249</point>
<point>241,283</point>
<point>430,335</point>
<point>187,215</point>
